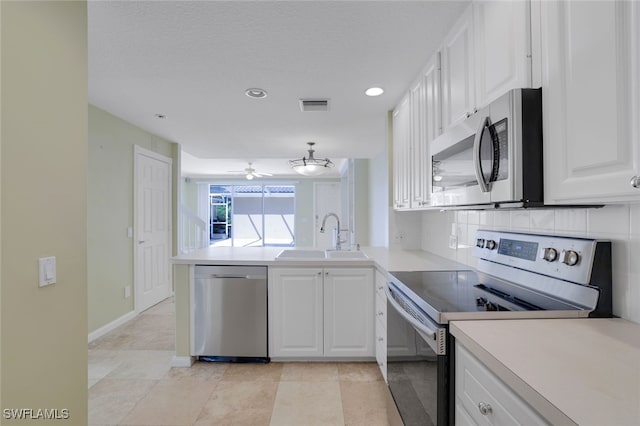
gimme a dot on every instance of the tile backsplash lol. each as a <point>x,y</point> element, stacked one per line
<point>618,223</point>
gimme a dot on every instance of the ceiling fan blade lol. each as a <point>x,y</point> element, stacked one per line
<point>260,174</point>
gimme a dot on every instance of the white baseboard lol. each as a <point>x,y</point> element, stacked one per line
<point>112,325</point>
<point>182,361</point>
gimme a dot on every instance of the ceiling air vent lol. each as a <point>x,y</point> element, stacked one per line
<point>307,105</point>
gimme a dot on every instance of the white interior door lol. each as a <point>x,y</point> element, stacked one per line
<point>327,197</point>
<point>152,212</point>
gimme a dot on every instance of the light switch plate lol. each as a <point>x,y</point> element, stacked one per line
<point>47,271</point>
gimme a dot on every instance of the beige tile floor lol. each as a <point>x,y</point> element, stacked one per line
<point>132,383</point>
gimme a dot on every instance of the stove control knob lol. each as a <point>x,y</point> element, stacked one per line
<point>490,244</point>
<point>549,254</point>
<point>570,257</point>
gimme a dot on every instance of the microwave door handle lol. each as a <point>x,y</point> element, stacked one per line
<point>415,323</point>
<point>477,161</point>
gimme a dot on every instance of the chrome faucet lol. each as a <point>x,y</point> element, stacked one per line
<point>324,220</point>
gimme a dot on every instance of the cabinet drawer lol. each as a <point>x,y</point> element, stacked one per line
<point>478,390</point>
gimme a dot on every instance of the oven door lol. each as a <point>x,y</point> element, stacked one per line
<point>417,364</point>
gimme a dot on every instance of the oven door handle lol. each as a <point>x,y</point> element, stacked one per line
<point>414,322</point>
<point>477,160</point>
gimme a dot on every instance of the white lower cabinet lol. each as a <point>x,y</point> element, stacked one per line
<point>321,312</point>
<point>381,324</point>
<point>295,312</point>
<point>483,399</point>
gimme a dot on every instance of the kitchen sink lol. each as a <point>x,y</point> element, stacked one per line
<point>336,254</point>
<point>301,255</point>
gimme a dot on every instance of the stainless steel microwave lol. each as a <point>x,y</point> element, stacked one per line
<point>494,157</point>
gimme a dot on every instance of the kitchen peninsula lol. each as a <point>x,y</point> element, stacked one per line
<point>377,258</point>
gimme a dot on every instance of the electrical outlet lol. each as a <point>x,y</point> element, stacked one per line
<point>453,242</point>
<point>127,292</point>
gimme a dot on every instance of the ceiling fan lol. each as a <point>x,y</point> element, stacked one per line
<point>250,173</point>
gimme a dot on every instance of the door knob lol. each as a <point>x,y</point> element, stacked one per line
<point>635,181</point>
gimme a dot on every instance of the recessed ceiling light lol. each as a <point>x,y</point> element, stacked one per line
<point>374,91</point>
<point>160,116</point>
<point>256,93</point>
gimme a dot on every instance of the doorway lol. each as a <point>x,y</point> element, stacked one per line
<point>152,224</point>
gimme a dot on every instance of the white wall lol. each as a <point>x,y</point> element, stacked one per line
<point>618,223</point>
<point>379,200</point>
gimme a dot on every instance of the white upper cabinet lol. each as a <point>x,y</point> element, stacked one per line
<point>503,48</point>
<point>425,126</point>
<point>401,164</point>
<point>591,101</point>
<point>458,71</point>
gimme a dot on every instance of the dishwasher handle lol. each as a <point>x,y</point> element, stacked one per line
<point>238,276</point>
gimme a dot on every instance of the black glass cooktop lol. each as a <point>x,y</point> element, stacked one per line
<point>443,292</point>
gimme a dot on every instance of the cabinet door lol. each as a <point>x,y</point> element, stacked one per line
<point>425,126</point>
<point>295,312</point>
<point>591,100</point>
<point>476,385</point>
<point>458,84</point>
<point>503,47</point>
<point>348,312</point>
<point>401,164</point>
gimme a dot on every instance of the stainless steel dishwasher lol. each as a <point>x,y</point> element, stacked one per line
<point>229,313</point>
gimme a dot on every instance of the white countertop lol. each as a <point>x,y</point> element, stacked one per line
<point>572,371</point>
<point>383,258</point>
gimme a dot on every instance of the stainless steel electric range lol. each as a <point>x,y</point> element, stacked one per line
<point>518,276</point>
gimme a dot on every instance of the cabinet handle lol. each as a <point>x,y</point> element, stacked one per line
<point>380,287</point>
<point>380,314</point>
<point>635,182</point>
<point>326,273</point>
<point>319,273</point>
<point>485,409</point>
<point>380,339</point>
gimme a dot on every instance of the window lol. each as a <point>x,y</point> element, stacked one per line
<point>252,215</point>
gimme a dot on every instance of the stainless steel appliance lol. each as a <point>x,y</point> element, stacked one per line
<point>494,157</point>
<point>229,313</point>
<point>518,276</point>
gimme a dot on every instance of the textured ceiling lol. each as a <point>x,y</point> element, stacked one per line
<point>192,61</point>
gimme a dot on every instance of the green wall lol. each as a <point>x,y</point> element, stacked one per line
<point>110,211</point>
<point>44,201</point>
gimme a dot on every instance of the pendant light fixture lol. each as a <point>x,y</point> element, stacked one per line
<point>311,166</point>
